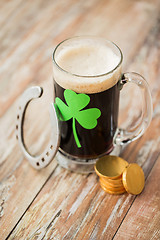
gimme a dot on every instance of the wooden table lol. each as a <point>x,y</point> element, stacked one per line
<point>54,203</point>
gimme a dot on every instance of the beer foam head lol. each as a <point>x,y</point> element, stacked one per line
<point>87,66</point>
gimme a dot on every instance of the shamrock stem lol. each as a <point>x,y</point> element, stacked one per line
<point>75,133</point>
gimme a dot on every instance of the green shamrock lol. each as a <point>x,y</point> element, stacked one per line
<point>76,102</point>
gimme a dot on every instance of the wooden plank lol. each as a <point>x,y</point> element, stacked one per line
<point>9,123</point>
<point>121,22</point>
<point>31,50</point>
<point>77,203</point>
<point>61,203</point>
<point>39,49</point>
<point>83,207</point>
<point>13,110</point>
<point>143,219</point>
<point>7,9</point>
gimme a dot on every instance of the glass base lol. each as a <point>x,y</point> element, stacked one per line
<point>79,165</point>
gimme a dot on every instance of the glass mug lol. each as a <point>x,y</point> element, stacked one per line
<point>87,79</point>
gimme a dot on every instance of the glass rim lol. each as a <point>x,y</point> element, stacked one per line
<point>87,76</point>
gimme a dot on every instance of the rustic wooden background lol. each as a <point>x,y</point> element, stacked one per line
<point>54,203</point>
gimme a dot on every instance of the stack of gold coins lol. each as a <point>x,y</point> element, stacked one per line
<point>116,176</point>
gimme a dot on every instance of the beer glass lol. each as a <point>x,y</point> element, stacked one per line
<point>87,79</point>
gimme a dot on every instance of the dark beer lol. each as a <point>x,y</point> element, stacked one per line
<point>97,141</point>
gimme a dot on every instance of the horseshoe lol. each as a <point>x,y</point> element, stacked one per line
<point>41,161</point>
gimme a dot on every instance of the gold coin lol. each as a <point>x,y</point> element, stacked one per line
<point>133,179</point>
<point>114,181</point>
<point>115,189</point>
<point>110,167</point>
<point>113,192</point>
<point>111,185</point>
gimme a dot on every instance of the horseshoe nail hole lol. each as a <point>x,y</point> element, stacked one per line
<point>16,126</point>
<point>17,116</point>
<point>19,108</point>
<point>47,153</point>
<point>43,159</point>
<point>51,147</point>
<point>16,137</point>
<point>37,163</point>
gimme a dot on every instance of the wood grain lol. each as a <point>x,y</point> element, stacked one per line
<point>143,219</point>
<point>81,209</point>
<point>54,203</point>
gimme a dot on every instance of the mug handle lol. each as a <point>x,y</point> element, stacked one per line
<point>45,158</point>
<point>124,136</point>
